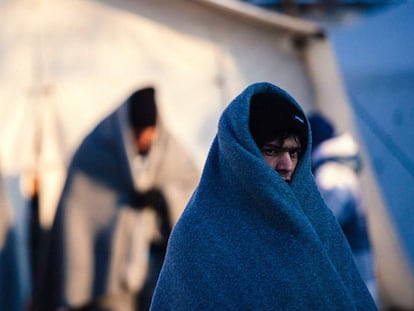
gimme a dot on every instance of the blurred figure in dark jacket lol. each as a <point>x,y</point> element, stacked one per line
<point>126,186</point>
<point>336,163</point>
<point>15,278</point>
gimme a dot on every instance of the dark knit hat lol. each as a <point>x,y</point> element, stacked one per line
<point>142,108</point>
<point>322,129</point>
<point>272,116</point>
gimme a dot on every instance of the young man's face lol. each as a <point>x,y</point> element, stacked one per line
<point>282,155</point>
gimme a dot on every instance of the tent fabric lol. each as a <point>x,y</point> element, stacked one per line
<point>248,240</point>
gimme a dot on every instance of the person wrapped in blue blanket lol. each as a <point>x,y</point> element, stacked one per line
<point>256,233</point>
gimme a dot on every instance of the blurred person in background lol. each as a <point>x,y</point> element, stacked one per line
<point>256,234</point>
<point>126,186</point>
<point>15,278</point>
<point>336,164</point>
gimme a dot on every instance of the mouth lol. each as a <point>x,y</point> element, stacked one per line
<point>286,178</point>
<point>286,175</point>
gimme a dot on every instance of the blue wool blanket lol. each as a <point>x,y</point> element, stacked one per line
<point>247,240</point>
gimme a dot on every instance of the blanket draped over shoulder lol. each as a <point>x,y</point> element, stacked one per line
<point>100,238</point>
<point>249,241</point>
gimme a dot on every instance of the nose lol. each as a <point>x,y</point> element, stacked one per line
<point>284,162</point>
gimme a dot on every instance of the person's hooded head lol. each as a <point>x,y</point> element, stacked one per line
<point>272,116</point>
<point>330,146</point>
<point>322,129</point>
<point>143,118</point>
<point>279,130</point>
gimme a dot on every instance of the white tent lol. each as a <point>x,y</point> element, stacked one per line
<point>67,64</point>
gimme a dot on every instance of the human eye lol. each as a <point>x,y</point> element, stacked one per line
<point>268,151</point>
<point>271,151</point>
<point>294,153</point>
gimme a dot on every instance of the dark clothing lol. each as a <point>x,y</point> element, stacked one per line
<point>15,278</point>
